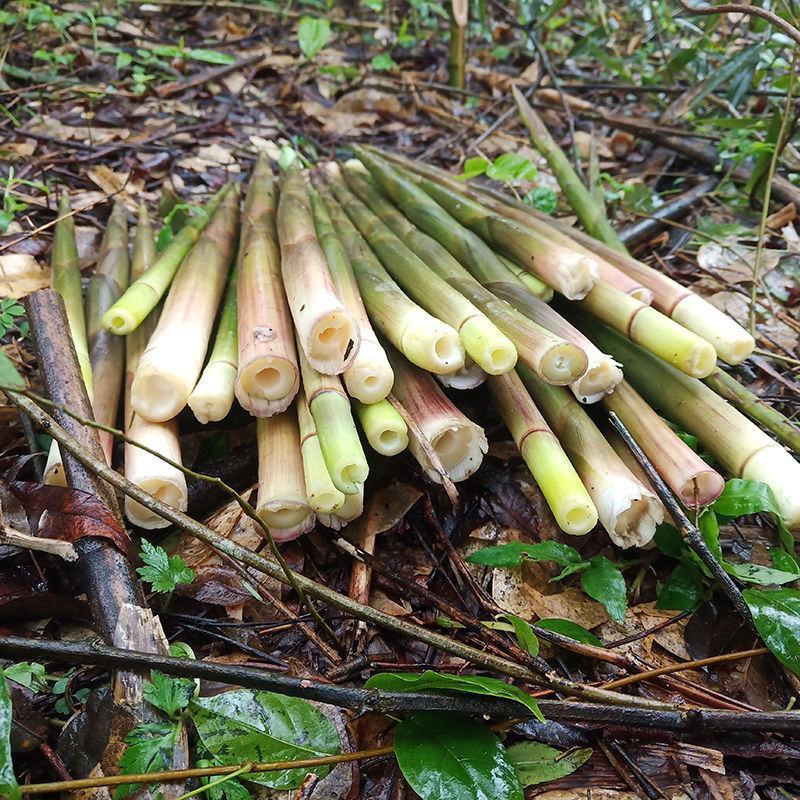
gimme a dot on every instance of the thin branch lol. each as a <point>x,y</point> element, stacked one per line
<point>752,11</point>
<point>700,662</point>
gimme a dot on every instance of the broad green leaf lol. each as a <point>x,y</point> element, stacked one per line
<point>776,613</point>
<point>569,629</point>
<point>764,576</point>
<point>312,35</point>
<point>473,167</point>
<point>744,496</point>
<point>29,675</point>
<point>150,747</point>
<point>538,763</point>
<point>511,167</point>
<point>668,540</point>
<point>450,757</point>
<point>526,638</point>
<point>466,684</point>
<point>783,561</point>
<point>8,782</point>
<point>514,553</point>
<point>683,589</point>
<point>604,582</point>
<point>243,725</point>
<point>171,695</point>
<point>383,62</point>
<point>9,377</point>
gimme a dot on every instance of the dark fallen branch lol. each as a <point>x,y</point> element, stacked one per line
<point>374,700</point>
<point>107,576</point>
<point>119,609</point>
<point>675,209</point>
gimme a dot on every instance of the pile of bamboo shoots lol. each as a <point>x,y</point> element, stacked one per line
<point>336,304</point>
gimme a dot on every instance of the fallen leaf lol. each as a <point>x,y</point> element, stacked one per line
<point>734,262</point>
<point>21,274</point>
<point>208,157</point>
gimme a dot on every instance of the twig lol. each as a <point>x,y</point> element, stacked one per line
<point>55,547</point>
<point>689,531</point>
<point>61,787</point>
<point>701,662</point>
<point>755,11</point>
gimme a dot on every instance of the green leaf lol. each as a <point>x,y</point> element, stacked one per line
<point>210,56</point>
<point>537,763</point>
<point>243,725</point>
<point>450,757</point>
<point>474,167</point>
<point>526,638</point>
<point>756,573</point>
<point>683,590</point>
<point>383,62</point>
<point>669,541</point>
<point>466,684</point>
<point>569,629</point>
<point>604,582</point>
<point>29,675</point>
<point>163,572</point>
<point>514,553</point>
<point>312,35</point>
<point>783,561</point>
<point>744,496</point>
<point>8,782</point>
<point>171,695</point>
<point>511,167</point>
<point>542,198</point>
<point>150,747</point>
<point>776,613</point>
<point>9,377</point>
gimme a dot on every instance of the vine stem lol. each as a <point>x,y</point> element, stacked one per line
<point>700,662</point>
<point>246,507</point>
<point>199,772</point>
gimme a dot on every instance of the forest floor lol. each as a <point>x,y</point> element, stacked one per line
<point>119,102</point>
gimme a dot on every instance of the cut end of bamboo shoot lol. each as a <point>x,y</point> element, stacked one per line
<point>384,427</point>
<point>169,490</point>
<point>267,385</point>
<point>489,349</point>
<point>775,466</point>
<point>600,379</point>
<point>212,398</point>
<point>470,376</point>
<point>630,514</point>
<point>460,448</point>
<point>369,378</point>
<point>702,489</point>
<point>563,364</point>
<point>732,343</point>
<point>437,349</point>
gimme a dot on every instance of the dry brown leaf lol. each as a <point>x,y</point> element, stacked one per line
<point>21,274</point>
<point>583,144</point>
<point>109,181</point>
<point>738,307</point>
<point>208,157</point>
<point>733,262</point>
<point>380,601</point>
<point>370,100</point>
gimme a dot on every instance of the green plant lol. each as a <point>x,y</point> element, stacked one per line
<point>312,35</point>
<point>163,572</point>
<point>600,578</point>
<point>11,318</point>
